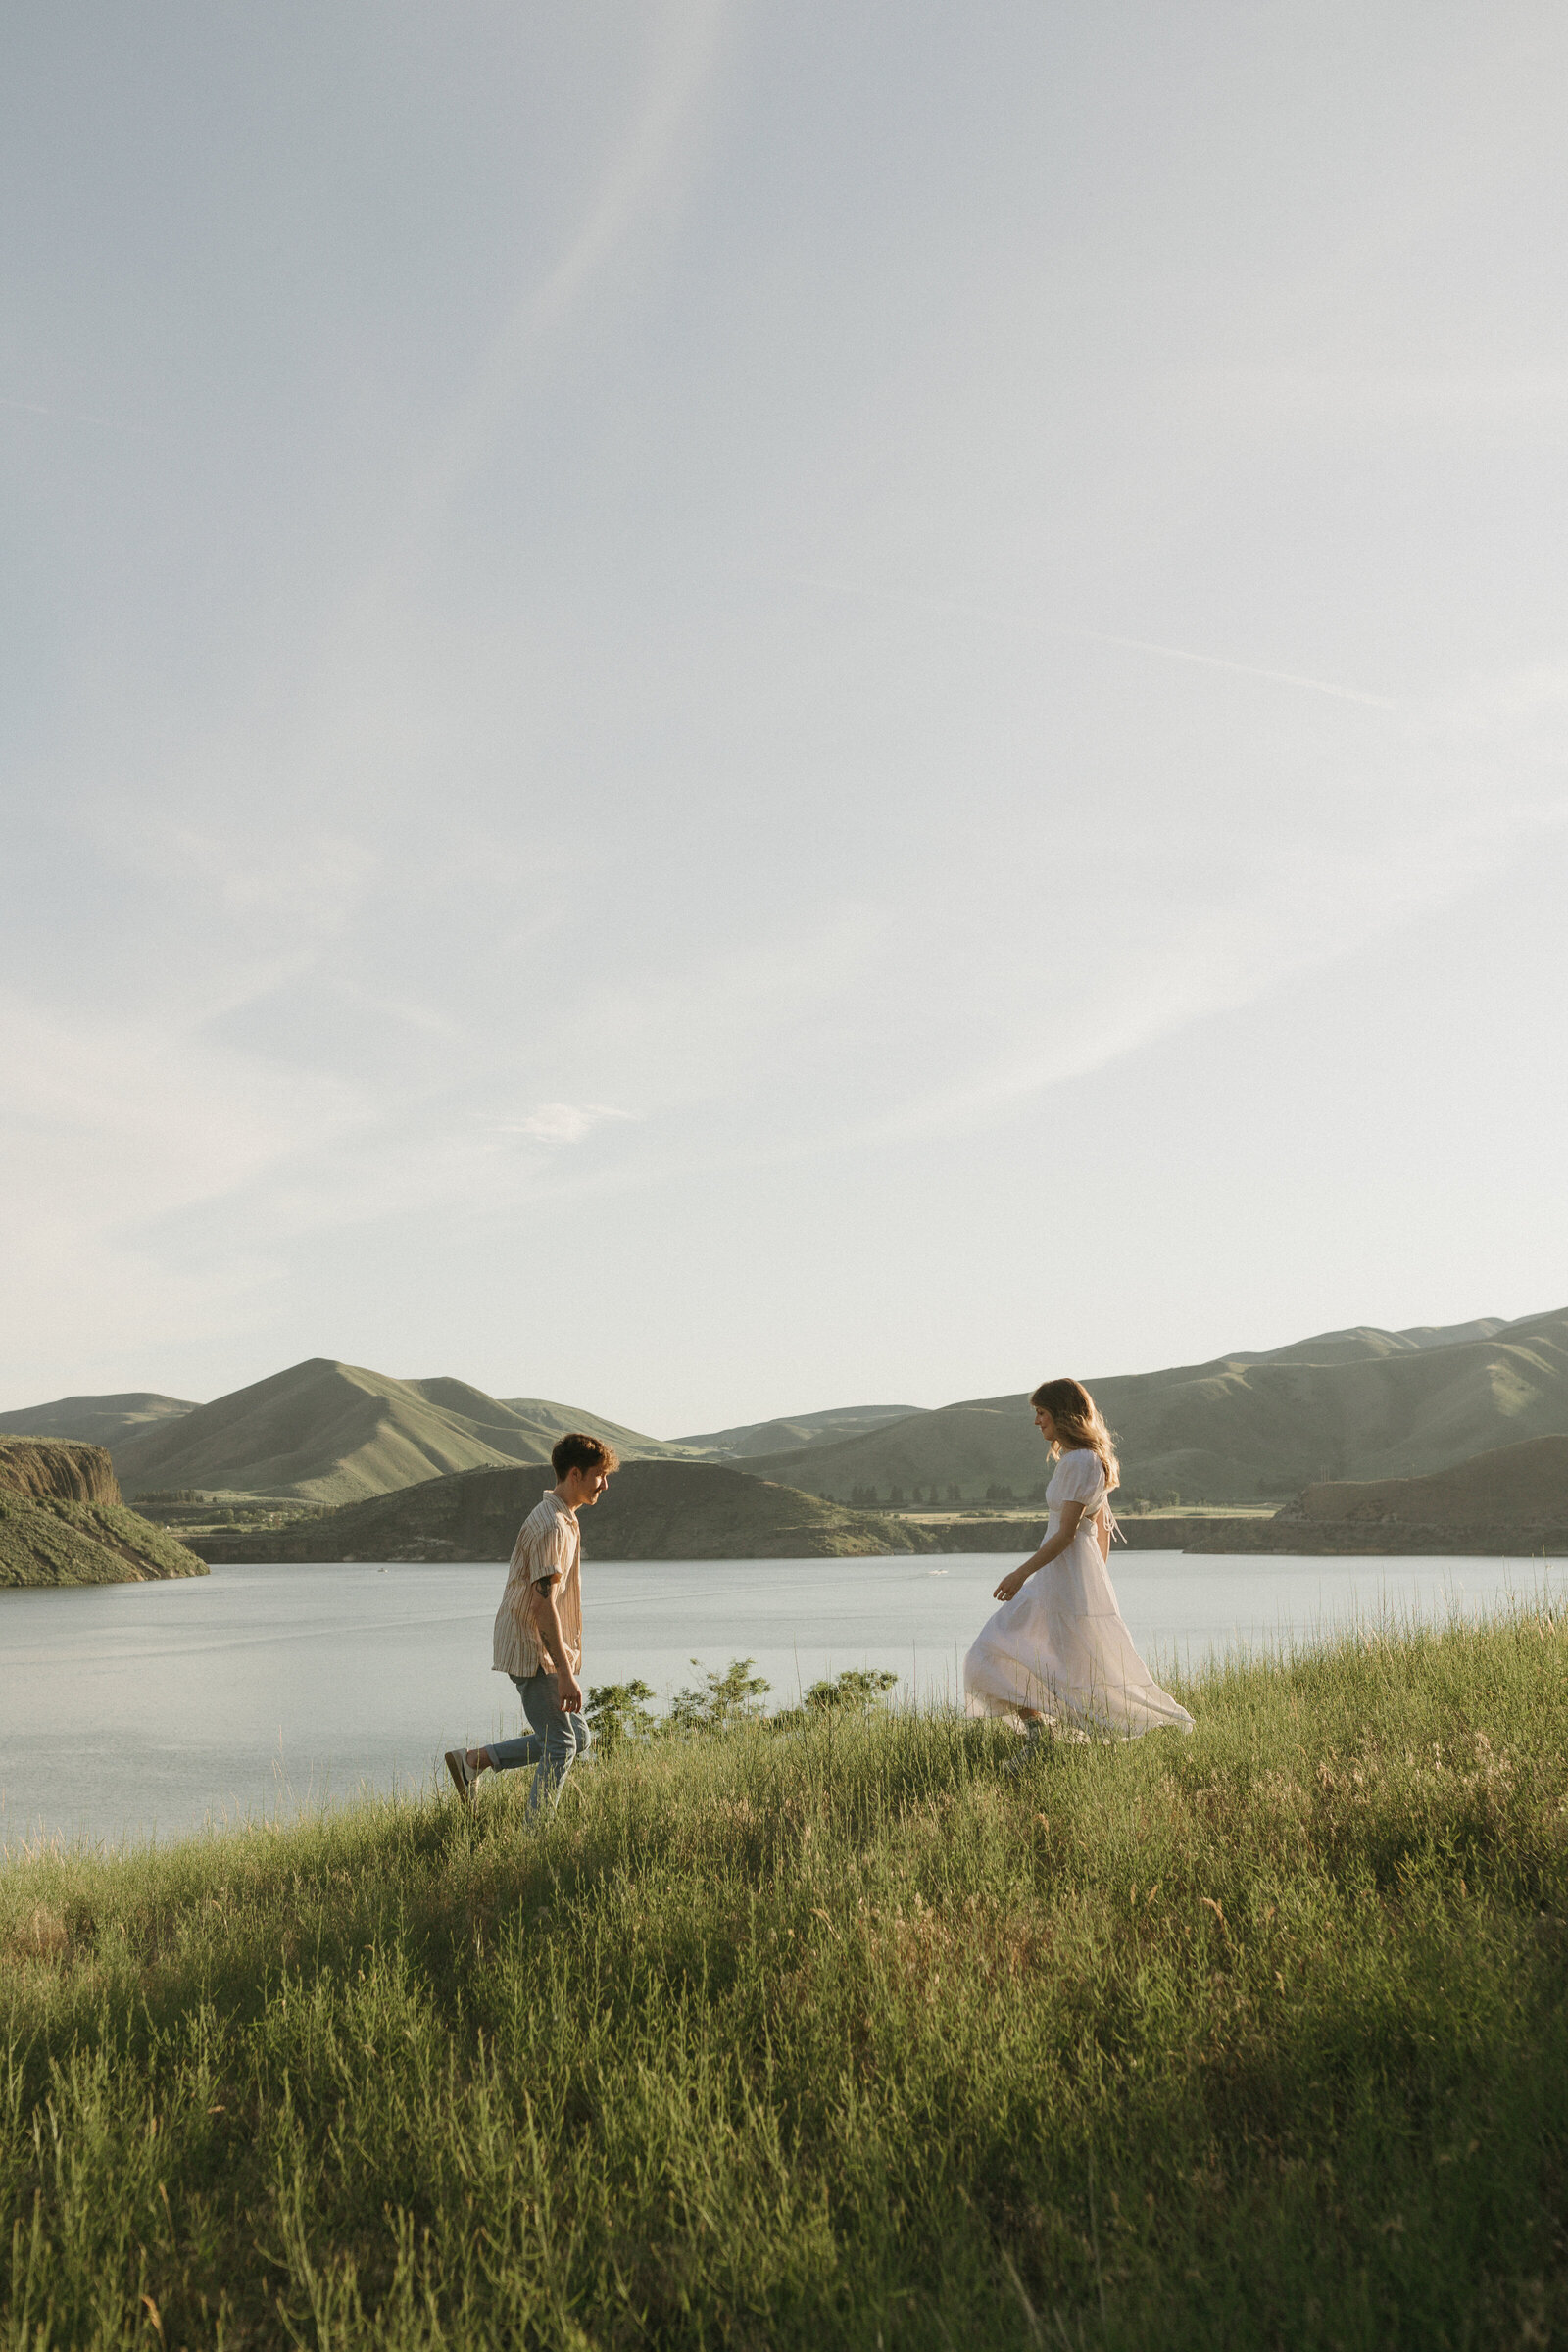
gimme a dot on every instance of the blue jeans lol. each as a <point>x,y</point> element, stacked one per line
<point>554,1743</point>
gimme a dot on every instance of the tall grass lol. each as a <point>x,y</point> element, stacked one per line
<point>840,2035</point>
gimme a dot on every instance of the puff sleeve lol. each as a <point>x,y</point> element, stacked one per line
<point>1079,1478</point>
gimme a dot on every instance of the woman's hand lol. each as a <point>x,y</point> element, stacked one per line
<point>1013,1581</point>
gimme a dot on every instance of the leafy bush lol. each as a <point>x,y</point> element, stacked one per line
<point>724,1699</point>
<point>856,1686</point>
<point>618,1711</point>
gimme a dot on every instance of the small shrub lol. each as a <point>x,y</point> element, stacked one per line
<point>619,1711</point>
<point>856,1686</point>
<point>723,1700</point>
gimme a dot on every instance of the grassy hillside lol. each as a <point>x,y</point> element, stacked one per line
<point>62,1521</point>
<point>1364,1342</point>
<point>97,1420</point>
<point>1511,1488</point>
<point>837,2036</point>
<point>801,1429</point>
<point>1243,1427</point>
<point>653,1511</point>
<point>323,1432</point>
<point>52,1542</point>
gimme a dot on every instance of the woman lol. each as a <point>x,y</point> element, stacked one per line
<point>1058,1651</point>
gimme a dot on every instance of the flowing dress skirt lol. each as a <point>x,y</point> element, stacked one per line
<point>1059,1649</point>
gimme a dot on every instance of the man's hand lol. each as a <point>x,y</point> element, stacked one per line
<point>568,1692</point>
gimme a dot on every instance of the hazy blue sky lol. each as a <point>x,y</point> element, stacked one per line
<point>717,709</point>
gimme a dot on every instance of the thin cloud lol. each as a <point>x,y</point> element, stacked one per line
<point>1231,960</point>
<point>565,1122</point>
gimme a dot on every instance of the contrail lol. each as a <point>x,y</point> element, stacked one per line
<point>1245,670</point>
<point>692,36</point>
<point>113,424</point>
<point>1136,645</point>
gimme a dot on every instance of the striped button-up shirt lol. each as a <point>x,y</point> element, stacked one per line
<point>549,1544</point>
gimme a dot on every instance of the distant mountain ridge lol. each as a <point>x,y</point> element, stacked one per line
<point>95,1420</point>
<point>1364,1404</point>
<point>1365,1340</point>
<point>804,1429</point>
<point>632,1446</point>
<point>1357,1403</point>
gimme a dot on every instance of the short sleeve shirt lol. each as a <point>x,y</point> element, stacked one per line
<point>549,1544</point>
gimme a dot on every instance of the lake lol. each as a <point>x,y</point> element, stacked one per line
<point>132,1711</point>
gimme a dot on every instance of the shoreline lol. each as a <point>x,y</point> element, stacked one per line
<point>1197,1533</point>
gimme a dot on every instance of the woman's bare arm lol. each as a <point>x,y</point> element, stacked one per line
<point>1052,1549</point>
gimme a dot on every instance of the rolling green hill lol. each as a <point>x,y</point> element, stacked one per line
<point>1348,1405</point>
<point>653,1511</point>
<point>323,1432</point>
<point>801,1429</point>
<point>96,1420</point>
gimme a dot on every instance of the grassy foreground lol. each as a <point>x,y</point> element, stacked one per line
<point>837,2035</point>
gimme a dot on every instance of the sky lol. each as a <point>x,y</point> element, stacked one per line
<point>715,710</point>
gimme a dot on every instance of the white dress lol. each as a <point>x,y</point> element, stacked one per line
<point>1060,1648</point>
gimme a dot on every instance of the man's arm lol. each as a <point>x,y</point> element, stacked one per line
<point>547,1624</point>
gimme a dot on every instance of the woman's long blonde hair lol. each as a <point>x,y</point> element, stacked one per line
<point>1078,1422</point>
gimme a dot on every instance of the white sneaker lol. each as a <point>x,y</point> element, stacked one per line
<point>462,1773</point>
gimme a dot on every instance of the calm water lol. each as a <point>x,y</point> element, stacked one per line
<point>137,1710</point>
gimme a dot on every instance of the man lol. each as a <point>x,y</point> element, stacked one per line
<point>538,1635</point>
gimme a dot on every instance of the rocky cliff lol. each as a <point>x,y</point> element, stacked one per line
<point>71,1473</point>
<point>62,1521</point>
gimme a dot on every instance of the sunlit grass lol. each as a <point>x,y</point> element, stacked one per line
<point>840,2034</point>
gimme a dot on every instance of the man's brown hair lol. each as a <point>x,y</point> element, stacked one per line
<point>577,1450</point>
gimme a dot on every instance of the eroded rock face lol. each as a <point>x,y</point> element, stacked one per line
<point>62,1522</point>
<point>58,1468</point>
